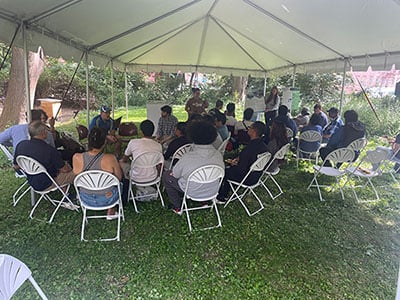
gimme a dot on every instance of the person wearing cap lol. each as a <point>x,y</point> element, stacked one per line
<point>324,117</point>
<point>303,118</point>
<point>166,125</point>
<point>334,124</point>
<point>196,105</point>
<point>103,120</point>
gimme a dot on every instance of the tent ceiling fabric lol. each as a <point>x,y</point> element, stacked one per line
<point>238,37</point>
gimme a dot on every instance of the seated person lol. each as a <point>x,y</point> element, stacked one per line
<point>313,125</point>
<point>211,120</point>
<point>179,141</point>
<point>278,138</point>
<point>203,153</point>
<point>46,155</point>
<point>241,164</point>
<point>217,108</point>
<point>137,147</point>
<point>17,133</point>
<point>394,149</point>
<point>242,127</point>
<point>351,131</point>
<point>283,117</point>
<point>318,111</point>
<point>220,123</point>
<point>303,118</point>
<point>103,120</point>
<point>94,159</point>
<point>230,117</point>
<point>334,124</point>
<point>166,125</point>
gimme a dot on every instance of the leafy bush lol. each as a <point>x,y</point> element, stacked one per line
<point>386,109</point>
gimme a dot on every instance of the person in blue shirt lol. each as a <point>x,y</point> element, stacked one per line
<point>335,123</point>
<point>324,117</point>
<point>13,135</point>
<point>103,120</point>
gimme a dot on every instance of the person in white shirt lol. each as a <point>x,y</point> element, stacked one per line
<point>137,147</point>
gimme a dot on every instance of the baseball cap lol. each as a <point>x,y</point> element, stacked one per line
<point>105,109</point>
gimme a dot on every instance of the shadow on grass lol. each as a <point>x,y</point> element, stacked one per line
<point>297,247</point>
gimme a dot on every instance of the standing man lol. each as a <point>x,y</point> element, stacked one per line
<point>103,120</point>
<point>46,155</point>
<point>335,123</point>
<point>196,105</point>
<point>166,125</point>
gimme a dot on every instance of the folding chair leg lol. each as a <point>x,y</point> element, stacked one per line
<point>159,193</point>
<point>340,188</point>
<point>84,221</point>
<point>133,198</point>
<point>36,205</point>
<point>15,201</point>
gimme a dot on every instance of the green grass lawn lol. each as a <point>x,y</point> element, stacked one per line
<point>297,248</point>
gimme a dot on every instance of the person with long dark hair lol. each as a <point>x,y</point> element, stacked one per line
<point>271,106</point>
<point>277,139</point>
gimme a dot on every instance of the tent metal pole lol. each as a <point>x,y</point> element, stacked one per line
<point>87,88</point>
<point>27,91</point>
<point>126,92</point>
<point>294,76</point>
<point>112,87</point>
<point>343,83</point>
<point>265,84</point>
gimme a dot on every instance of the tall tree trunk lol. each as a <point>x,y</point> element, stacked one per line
<point>15,103</point>
<point>239,86</point>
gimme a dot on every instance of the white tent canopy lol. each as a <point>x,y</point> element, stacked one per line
<point>238,37</point>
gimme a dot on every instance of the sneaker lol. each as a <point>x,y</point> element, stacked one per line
<point>69,206</point>
<point>177,211</point>
<point>112,217</point>
<point>221,202</point>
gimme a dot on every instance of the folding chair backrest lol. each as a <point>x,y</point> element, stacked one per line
<point>180,152</point>
<point>260,163</point>
<point>95,180</point>
<point>340,155</point>
<point>13,273</point>
<point>289,133</point>
<point>358,145</point>
<point>375,157</point>
<point>148,160</point>
<point>30,165</point>
<point>83,132</point>
<point>280,154</point>
<point>204,175</point>
<point>222,147</point>
<point>310,136</point>
<point>7,152</point>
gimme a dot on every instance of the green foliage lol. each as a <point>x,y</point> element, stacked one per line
<point>387,110</point>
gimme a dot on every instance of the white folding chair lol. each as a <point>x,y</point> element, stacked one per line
<point>97,180</point>
<point>206,175</point>
<point>279,155</point>
<point>289,133</point>
<point>222,147</point>
<point>337,158</point>
<point>179,153</point>
<point>368,168</point>
<point>309,136</point>
<point>147,160</point>
<point>258,166</point>
<point>393,159</point>
<point>13,273</point>
<point>358,145</point>
<point>31,167</point>
<point>18,174</point>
